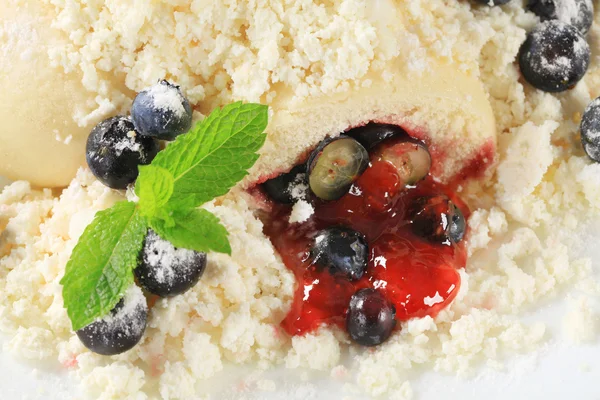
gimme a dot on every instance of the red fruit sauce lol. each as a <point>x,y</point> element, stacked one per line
<point>420,278</point>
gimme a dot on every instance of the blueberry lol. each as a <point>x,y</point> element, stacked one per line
<point>590,130</point>
<point>115,150</point>
<point>579,13</point>
<point>371,318</point>
<point>437,219</point>
<point>457,224</point>
<point>161,111</point>
<point>410,157</point>
<point>289,187</point>
<point>554,57</point>
<point>165,270</point>
<point>493,2</point>
<point>341,250</point>
<point>121,329</point>
<point>373,133</point>
<point>335,165</point>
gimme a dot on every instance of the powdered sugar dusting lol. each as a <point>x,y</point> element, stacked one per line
<point>128,143</point>
<point>581,46</point>
<point>573,12</point>
<point>566,10</point>
<point>298,188</point>
<point>125,137</point>
<point>590,127</point>
<point>556,55</point>
<point>592,119</point>
<point>130,318</point>
<point>166,97</point>
<point>166,261</point>
<point>557,65</point>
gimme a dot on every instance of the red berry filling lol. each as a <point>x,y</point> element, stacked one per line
<point>414,267</point>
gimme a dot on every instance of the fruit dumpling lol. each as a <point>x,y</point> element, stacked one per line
<point>379,173</point>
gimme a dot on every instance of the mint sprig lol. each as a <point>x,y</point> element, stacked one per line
<point>197,167</point>
<point>215,155</point>
<point>155,190</point>
<point>195,229</point>
<point>102,263</point>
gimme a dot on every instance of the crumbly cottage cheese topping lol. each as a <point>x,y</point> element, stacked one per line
<point>250,46</point>
<point>522,229</point>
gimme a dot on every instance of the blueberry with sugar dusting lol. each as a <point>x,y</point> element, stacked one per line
<point>409,156</point>
<point>493,2</point>
<point>342,251</point>
<point>114,151</point>
<point>335,165</point>
<point>437,219</point>
<point>289,187</point>
<point>121,329</point>
<point>371,318</point>
<point>371,134</point>
<point>590,130</point>
<point>579,13</point>
<point>554,57</point>
<point>162,111</point>
<point>165,270</point>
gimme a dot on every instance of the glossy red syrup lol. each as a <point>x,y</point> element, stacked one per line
<point>420,278</point>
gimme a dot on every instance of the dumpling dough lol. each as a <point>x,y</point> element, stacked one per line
<point>39,140</point>
<point>445,107</point>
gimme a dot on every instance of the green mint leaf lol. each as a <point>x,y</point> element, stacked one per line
<point>215,155</point>
<point>101,266</point>
<point>155,190</point>
<point>195,229</point>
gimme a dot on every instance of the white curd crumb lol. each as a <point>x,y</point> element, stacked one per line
<point>32,343</point>
<point>320,351</point>
<point>581,323</point>
<point>118,380</point>
<point>266,385</point>
<point>527,157</point>
<point>301,212</point>
<point>299,187</point>
<point>339,372</point>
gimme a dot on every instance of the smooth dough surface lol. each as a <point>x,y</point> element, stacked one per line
<point>40,140</point>
<point>446,108</point>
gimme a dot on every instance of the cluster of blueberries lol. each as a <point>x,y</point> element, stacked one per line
<point>330,171</point>
<point>118,145</point>
<point>162,270</point>
<point>115,149</point>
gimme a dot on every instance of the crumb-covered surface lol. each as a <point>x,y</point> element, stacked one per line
<point>521,230</point>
